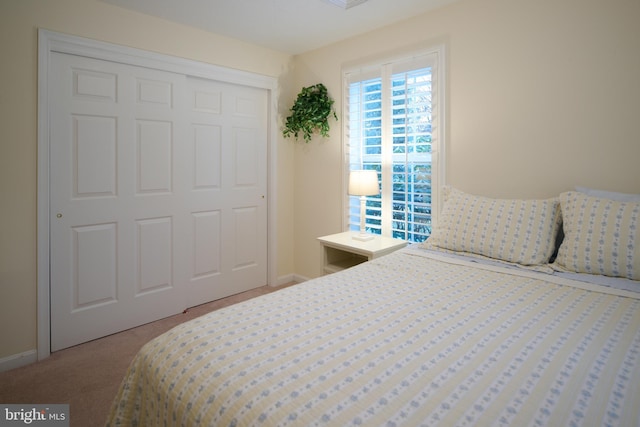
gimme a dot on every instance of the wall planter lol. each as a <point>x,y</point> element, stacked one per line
<point>310,113</point>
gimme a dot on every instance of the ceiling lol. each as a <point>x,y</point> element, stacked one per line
<point>290,26</point>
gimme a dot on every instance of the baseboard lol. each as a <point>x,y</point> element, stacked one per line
<point>18,360</point>
<point>299,279</point>
<point>284,280</point>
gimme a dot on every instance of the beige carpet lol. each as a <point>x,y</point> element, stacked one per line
<point>87,376</point>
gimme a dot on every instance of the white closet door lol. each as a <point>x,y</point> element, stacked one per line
<point>133,227</point>
<point>227,200</point>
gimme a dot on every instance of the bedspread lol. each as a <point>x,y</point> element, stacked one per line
<point>401,340</point>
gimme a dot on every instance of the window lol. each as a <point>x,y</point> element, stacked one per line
<point>393,125</point>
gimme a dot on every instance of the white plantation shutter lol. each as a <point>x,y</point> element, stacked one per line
<point>392,126</point>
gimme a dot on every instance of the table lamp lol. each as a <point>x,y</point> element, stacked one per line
<point>363,183</point>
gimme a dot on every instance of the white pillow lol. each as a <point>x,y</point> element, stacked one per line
<point>512,230</point>
<point>620,197</point>
<point>601,236</point>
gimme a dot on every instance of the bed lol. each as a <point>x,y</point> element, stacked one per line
<point>489,322</point>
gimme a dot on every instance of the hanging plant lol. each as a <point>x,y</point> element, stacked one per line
<point>310,113</point>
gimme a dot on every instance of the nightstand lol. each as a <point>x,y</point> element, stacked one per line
<point>341,251</point>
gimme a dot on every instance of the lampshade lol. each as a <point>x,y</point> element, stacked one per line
<point>363,183</point>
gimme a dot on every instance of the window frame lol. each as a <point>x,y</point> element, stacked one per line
<point>375,68</point>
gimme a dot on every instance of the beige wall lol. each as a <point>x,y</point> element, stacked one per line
<point>19,22</point>
<point>542,96</point>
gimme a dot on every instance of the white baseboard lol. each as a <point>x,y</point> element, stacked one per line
<point>18,360</point>
<point>299,279</point>
<point>283,280</point>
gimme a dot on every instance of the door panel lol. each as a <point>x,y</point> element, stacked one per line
<point>147,169</point>
<point>154,243</point>
<point>94,155</point>
<point>112,243</point>
<point>96,274</point>
<point>154,141</point>
<point>228,196</point>
<point>206,243</point>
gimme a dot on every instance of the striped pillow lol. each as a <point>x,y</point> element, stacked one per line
<point>512,230</point>
<point>602,236</point>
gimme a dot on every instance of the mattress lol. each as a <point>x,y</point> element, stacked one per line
<point>410,339</point>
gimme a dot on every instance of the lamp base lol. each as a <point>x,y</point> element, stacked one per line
<point>363,237</point>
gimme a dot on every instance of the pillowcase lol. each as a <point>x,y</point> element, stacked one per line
<point>602,236</point>
<point>620,197</point>
<point>511,230</point>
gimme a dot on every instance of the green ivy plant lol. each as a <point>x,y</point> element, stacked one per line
<point>310,113</point>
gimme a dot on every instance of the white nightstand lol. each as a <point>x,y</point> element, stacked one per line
<point>342,251</point>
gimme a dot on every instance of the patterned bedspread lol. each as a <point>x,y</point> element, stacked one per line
<point>401,340</point>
